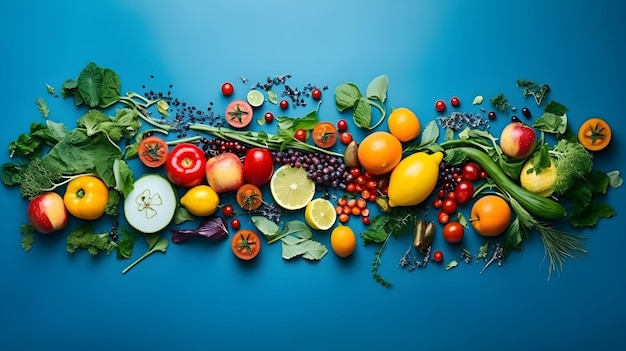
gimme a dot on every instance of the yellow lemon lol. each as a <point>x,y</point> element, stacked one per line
<point>541,183</point>
<point>320,214</point>
<point>414,179</point>
<point>201,200</point>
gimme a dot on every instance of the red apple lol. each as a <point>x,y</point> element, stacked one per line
<point>47,213</point>
<point>518,140</point>
<point>224,172</point>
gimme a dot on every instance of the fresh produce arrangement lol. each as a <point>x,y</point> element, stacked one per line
<point>427,182</point>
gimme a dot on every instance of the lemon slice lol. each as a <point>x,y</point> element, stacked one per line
<point>320,214</point>
<point>255,98</point>
<point>291,188</point>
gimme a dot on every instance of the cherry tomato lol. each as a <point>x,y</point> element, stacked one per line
<point>464,192</point>
<point>269,117</point>
<point>454,101</point>
<point>324,134</point>
<point>284,104</point>
<point>442,193</point>
<point>443,217</point>
<point>316,93</point>
<point>258,166</point>
<point>235,223</point>
<point>355,172</point>
<point>437,203</point>
<point>440,105</point>
<point>366,220</point>
<point>227,89</point>
<point>438,256</point>
<point>152,151</point>
<point>228,210</point>
<point>351,187</point>
<point>185,165</point>
<point>345,138</point>
<point>342,125</point>
<point>449,205</point>
<point>453,232</point>
<point>470,171</point>
<point>300,135</point>
<point>246,244</point>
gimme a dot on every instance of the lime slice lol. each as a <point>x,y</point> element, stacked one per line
<point>255,98</point>
<point>291,188</point>
<point>320,214</point>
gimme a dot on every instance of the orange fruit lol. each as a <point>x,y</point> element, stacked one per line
<point>404,124</point>
<point>490,215</point>
<point>343,241</point>
<point>379,152</point>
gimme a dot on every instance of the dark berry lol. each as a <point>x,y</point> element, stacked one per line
<point>492,115</point>
<point>526,112</point>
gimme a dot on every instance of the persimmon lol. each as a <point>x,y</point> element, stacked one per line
<point>594,134</point>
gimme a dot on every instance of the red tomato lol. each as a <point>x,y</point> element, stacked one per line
<point>449,205</point>
<point>284,104</point>
<point>152,151</point>
<point>300,134</point>
<point>185,165</point>
<point>464,192</point>
<point>345,138</point>
<point>324,134</point>
<point>438,256</point>
<point>342,125</point>
<point>245,244</point>
<point>258,166</point>
<point>443,217</point>
<point>269,117</point>
<point>316,93</point>
<point>440,105</point>
<point>454,101</point>
<point>470,171</point>
<point>228,210</point>
<point>235,223</point>
<point>453,232</point>
<point>239,113</point>
<point>227,89</point>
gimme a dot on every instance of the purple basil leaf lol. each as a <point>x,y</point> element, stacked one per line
<point>213,228</point>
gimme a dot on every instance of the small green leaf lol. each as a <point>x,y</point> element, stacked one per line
<point>615,179</point>
<point>28,236</point>
<point>482,251</point>
<point>377,88</point>
<point>50,89</point>
<point>272,97</point>
<point>451,265</point>
<point>162,107</point>
<point>182,215</point>
<point>42,107</point>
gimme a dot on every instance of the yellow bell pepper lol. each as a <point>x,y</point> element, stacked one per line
<point>86,197</point>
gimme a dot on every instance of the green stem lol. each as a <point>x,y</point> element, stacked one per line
<point>382,110</point>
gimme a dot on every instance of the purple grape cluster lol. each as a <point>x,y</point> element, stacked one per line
<point>449,176</point>
<point>323,169</point>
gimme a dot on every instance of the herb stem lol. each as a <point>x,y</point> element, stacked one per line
<point>382,110</point>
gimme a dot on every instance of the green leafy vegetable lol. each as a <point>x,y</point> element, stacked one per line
<point>587,210</point>
<point>553,120</point>
<point>451,265</point>
<point>155,243</point>
<point>28,236</point>
<point>348,95</point>
<point>126,244</point>
<point>533,89</point>
<point>84,237</point>
<point>500,102</point>
<point>295,237</point>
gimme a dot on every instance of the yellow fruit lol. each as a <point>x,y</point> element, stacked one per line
<point>291,188</point>
<point>343,241</point>
<point>541,183</point>
<point>403,124</point>
<point>414,179</point>
<point>201,200</point>
<point>320,214</point>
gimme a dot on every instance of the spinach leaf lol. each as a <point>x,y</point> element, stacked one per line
<point>377,89</point>
<point>89,84</point>
<point>346,95</point>
<point>111,88</point>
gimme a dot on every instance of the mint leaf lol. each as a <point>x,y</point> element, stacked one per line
<point>362,113</point>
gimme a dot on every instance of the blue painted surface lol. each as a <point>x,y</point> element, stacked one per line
<point>197,295</point>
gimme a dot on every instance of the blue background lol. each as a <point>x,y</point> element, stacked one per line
<point>197,295</point>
